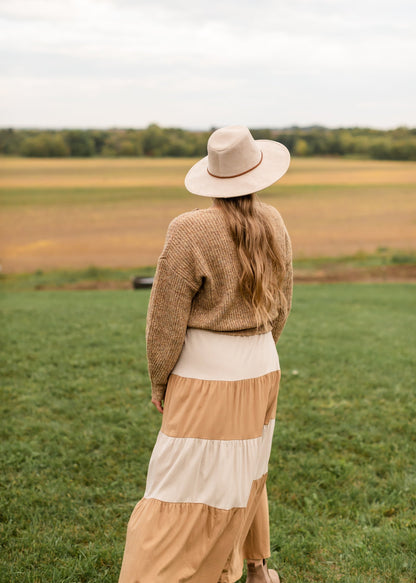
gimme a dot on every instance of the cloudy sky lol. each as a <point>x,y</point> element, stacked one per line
<point>194,64</point>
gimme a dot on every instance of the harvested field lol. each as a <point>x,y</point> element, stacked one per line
<point>114,212</point>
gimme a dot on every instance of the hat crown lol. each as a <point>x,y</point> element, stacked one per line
<point>232,151</point>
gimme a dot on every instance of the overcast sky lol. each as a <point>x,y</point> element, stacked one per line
<point>194,64</point>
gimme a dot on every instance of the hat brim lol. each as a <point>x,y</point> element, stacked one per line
<point>276,160</point>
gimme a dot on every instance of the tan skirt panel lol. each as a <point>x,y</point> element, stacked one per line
<point>201,408</point>
<point>253,540</point>
<point>256,543</point>
<point>165,539</point>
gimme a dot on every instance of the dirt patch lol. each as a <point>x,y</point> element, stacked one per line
<point>388,273</point>
<point>88,285</point>
<point>379,274</point>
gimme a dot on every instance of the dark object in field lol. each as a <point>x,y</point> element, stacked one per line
<point>142,282</point>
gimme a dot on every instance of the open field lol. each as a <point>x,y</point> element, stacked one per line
<point>114,212</point>
<point>380,267</point>
<point>78,429</point>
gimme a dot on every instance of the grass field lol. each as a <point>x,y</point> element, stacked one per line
<point>78,429</point>
<point>74,213</point>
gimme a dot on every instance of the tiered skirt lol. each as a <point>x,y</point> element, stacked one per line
<point>205,506</point>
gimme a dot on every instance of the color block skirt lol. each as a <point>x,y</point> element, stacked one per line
<point>205,506</point>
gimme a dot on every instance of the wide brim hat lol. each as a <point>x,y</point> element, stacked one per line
<point>237,164</point>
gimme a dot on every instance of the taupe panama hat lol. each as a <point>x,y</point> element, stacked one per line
<point>237,164</point>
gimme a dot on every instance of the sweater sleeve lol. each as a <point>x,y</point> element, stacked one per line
<point>279,323</point>
<point>174,286</point>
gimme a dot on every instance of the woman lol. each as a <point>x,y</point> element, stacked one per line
<point>220,298</point>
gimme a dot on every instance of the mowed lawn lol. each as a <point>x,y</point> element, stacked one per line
<point>73,213</point>
<point>78,430</point>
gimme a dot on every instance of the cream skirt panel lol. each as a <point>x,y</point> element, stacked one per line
<point>225,357</point>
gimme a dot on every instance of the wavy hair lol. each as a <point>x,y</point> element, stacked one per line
<point>261,258</point>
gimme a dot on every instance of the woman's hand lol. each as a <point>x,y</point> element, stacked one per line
<point>158,405</point>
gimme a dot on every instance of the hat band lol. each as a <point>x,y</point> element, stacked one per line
<point>241,173</point>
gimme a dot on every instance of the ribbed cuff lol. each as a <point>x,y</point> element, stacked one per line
<point>158,392</point>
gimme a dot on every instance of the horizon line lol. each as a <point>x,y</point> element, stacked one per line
<point>208,129</point>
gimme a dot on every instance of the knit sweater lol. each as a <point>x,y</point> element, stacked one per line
<point>196,285</point>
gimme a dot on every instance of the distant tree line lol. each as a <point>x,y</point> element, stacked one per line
<point>155,141</point>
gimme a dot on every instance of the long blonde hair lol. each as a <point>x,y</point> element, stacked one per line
<point>262,264</point>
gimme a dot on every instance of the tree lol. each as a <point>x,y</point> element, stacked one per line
<point>45,145</point>
<point>153,140</point>
<point>301,147</point>
<point>80,144</point>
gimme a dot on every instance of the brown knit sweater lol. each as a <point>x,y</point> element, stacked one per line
<point>196,285</point>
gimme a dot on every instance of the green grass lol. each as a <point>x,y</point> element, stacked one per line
<point>61,277</point>
<point>53,196</point>
<point>78,429</point>
<point>383,256</point>
<point>57,196</point>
